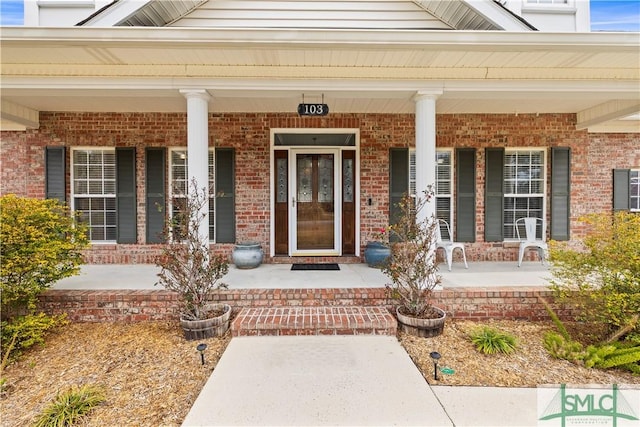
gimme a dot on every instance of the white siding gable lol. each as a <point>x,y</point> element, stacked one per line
<point>311,14</point>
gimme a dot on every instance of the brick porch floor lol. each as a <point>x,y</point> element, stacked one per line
<point>254,321</point>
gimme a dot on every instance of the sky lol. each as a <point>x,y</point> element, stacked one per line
<point>606,15</point>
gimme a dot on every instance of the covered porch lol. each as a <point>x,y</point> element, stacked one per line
<point>274,300</point>
<point>280,276</point>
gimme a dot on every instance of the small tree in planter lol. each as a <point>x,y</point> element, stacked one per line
<point>189,269</point>
<point>412,267</point>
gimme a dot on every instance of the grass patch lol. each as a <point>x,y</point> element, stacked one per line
<point>69,407</point>
<point>490,340</point>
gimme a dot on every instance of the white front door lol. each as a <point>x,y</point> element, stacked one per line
<point>315,205</point>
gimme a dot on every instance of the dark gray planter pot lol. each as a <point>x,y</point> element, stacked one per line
<point>376,254</point>
<point>247,255</point>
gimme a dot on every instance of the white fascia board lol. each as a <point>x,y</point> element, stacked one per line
<point>203,37</point>
<point>19,115</point>
<point>497,15</point>
<point>612,110</point>
<point>616,126</point>
<point>116,13</point>
<point>57,4</point>
<point>622,90</point>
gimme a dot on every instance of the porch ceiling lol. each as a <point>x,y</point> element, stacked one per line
<point>359,71</point>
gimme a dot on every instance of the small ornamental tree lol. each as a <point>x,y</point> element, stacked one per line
<point>187,266</point>
<point>40,243</point>
<point>412,265</point>
<point>603,278</point>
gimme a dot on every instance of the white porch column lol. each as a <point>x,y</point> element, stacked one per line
<point>426,146</point>
<point>198,148</point>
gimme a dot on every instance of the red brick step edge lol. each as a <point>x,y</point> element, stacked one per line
<point>254,321</point>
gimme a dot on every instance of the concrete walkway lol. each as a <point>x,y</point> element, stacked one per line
<point>357,380</point>
<point>343,381</point>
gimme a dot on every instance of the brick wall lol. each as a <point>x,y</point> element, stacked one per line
<point>143,305</point>
<point>593,157</point>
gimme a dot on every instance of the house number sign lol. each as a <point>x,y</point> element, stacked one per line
<point>313,109</point>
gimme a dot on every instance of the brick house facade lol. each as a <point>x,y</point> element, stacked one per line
<point>593,157</point>
<point>116,107</point>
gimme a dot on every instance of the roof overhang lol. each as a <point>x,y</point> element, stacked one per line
<point>142,69</point>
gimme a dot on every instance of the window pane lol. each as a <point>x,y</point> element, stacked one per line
<point>80,157</point>
<point>95,187</point>
<point>412,173</point>
<point>109,187</point>
<point>110,233</point>
<point>95,157</point>
<point>80,171</point>
<point>97,218</point>
<point>96,233</point>
<point>81,187</point>
<point>109,172</point>
<point>95,172</point>
<point>110,204</point>
<point>81,204</point>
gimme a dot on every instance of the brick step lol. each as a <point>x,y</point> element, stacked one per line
<point>253,321</point>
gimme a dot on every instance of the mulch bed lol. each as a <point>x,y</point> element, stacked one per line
<point>530,365</point>
<point>152,375</point>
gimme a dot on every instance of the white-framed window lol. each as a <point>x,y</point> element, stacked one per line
<point>93,189</point>
<point>443,187</point>
<point>634,190</point>
<point>524,188</point>
<point>179,182</point>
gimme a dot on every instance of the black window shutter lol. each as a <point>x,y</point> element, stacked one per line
<point>494,196</point>
<point>560,192</point>
<point>621,184</point>
<point>225,223</point>
<point>126,195</point>
<point>466,194</point>
<point>155,194</point>
<point>398,180</point>
<point>55,173</point>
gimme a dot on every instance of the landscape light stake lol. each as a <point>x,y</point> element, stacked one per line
<point>201,348</point>
<point>435,356</point>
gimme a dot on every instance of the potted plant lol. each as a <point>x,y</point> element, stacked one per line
<point>412,268</point>
<point>377,252</point>
<point>188,268</point>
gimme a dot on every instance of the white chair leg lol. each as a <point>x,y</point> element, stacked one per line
<point>521,255</point>
<point>449,257</point>
<point>464,257</point>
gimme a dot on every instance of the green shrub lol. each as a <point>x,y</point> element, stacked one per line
<point>69,407</point>
<point>621,357</point>
<point>562,348</point>
<point>602,280</point>
<point>26,331</point>
<point>490,341</point>
<point>40,242</point>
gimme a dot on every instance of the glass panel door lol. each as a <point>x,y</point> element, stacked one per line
<point>314,212</point>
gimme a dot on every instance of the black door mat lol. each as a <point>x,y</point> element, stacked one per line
<point>308,267</point>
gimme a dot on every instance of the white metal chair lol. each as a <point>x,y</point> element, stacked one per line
<point>531,241</point>
<point>448,245</point>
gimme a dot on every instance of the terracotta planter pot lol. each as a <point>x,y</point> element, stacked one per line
<point>207,328</point>
<point>424,328</point>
